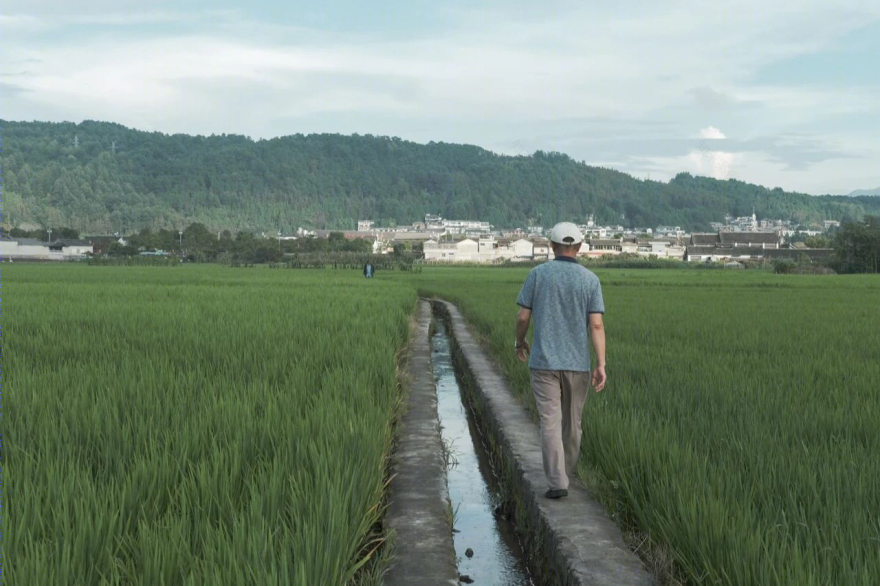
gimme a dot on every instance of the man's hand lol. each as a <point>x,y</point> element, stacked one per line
<point>522,353</point>
<point>522,328</point>
<point>599,378</point>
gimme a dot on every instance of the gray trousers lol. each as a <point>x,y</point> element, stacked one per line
<point>560,396</point>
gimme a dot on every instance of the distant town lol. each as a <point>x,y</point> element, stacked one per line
<point>440,240</point>
<point>472,241</point>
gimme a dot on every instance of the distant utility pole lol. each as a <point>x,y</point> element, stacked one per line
<point>113,146</point>
<point>75,141</point>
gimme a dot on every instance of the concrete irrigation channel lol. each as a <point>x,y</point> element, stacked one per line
<point>566,542</point>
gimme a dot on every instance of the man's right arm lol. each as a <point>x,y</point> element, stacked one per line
<point>597,337</point>
<point>524,300</point>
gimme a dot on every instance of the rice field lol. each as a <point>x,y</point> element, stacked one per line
<point>741,421</point>
<point>212,425</point>
<point>195,425</point>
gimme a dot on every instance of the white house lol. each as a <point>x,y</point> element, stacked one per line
<point>486,246</point>
<point>523,249</point>
<point>675,231</point>
<point>676,251</point>
<point>485,250</point>
<point>541,250</point>
<point>33,249</point>
<point>597,247</point>
<point>466,250</point>
<point>658,248</point>
<point>591,232</point>
<point>470,227</point>
<point>9,247</point>
<point>25,248</point>
<point>629,247</point>
<point>71,248</point>
<point>492,250</point>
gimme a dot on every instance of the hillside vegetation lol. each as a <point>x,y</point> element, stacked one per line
<point>104,177</point>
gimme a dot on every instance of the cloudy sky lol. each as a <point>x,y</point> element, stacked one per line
<point>783,93</point>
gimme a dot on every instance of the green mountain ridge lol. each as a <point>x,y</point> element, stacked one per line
<point>101,177</point>
<point>858,192</point>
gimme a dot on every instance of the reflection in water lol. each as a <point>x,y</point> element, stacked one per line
<point>497,555</point>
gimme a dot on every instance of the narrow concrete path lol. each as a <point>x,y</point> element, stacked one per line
<point>419,509</point>
<point>586,546</point>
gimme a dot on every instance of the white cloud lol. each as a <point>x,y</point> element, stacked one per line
<point>717,164</point>
<point>478,82</point>
<point>20,23</point>
<point>711,133</point>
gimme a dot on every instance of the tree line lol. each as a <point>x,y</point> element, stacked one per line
<point>857,246</point>
<point>100,177</point>
<point>197,243</point>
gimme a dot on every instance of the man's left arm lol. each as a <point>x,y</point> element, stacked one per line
<point>597,335</point>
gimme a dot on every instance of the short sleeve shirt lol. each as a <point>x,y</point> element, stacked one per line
<point>561,294</point>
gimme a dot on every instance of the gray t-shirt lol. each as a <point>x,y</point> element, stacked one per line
<point>561,294</point>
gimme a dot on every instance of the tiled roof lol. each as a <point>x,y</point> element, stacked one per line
<point>749,237</point>
<point>704,239</point>
<point>732,251</point>
<point>412,236</point>
<point>71,242</point>
<point>705,250</point>
<point>757,251</point>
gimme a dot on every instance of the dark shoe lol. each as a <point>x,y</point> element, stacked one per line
<point>555,493</point>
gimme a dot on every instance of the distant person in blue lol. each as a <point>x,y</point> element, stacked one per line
<point>368,270</point>
<point>566,301</point>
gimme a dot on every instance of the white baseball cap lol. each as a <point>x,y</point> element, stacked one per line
<point>566,233</point>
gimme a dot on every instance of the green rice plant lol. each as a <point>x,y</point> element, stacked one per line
<point>741,421</point>
<point>202,425</point>
<point>210,425</point>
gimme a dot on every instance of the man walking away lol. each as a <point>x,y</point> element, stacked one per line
<point>566,301</point>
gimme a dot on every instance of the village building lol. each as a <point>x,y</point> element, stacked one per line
<point>486,250</point>
<point>748,246</point>
<point>473,228</point>
<point>597,247</point>
<point>655,247</point>
<point>747,253</point>
<point>737,239</point>
<point>674,231</point>
<point>465,250</point>
<point>16,248</point>
<point>33,249</point>
<point>71,247</point>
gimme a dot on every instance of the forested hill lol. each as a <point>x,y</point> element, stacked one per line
<point>103,177</point>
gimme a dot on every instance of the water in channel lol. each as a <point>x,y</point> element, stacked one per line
<point>497,554</point>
